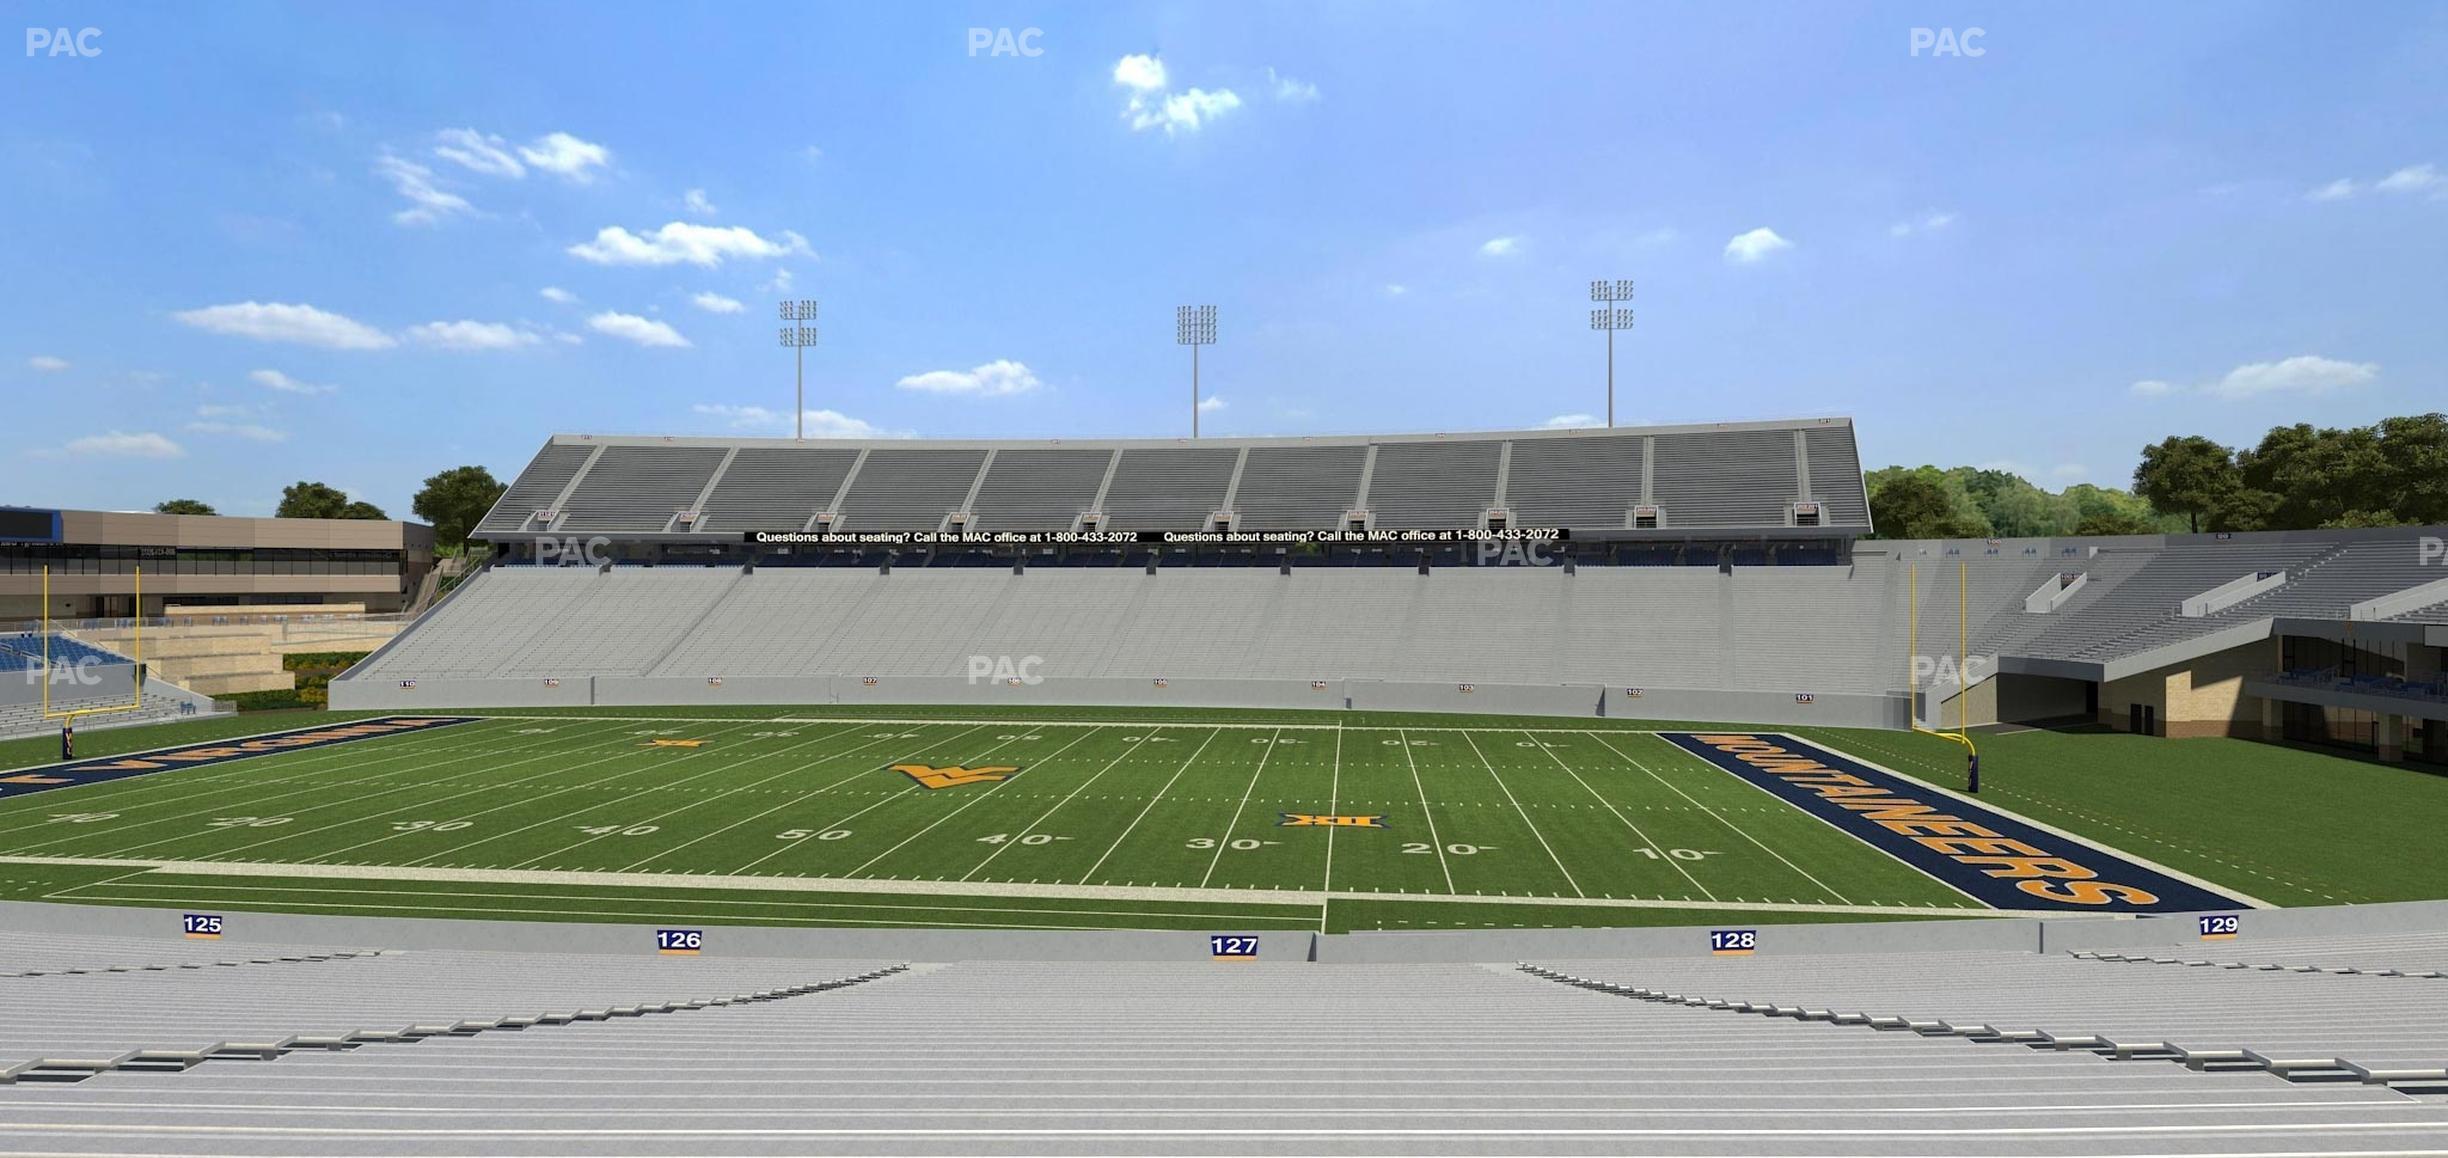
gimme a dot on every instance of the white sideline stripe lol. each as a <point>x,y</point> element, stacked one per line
<point>2042,825</point>
<point>955,888</point>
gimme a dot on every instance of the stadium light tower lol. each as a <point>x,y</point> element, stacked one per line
<point>799,337</point>
<point>1609,318</point>
<point>1194,326</point>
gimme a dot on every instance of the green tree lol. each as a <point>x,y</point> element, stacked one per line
<point>2014,507</point>
<point>183,507</point>
<point>2190,476</point>
<point>1923,503</point>
<point>314,500</point>
<point>454,500</point>
<point>2416,450</point>
<point>2114,522</point>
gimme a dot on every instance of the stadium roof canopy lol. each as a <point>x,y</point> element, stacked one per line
<point>1732,478</point>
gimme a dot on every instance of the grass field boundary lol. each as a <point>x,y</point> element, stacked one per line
<point>576,877</point>
<point>2051,829</point>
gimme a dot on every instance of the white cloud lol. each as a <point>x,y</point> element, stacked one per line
<point>472,335</point>
<point>275,380</point>
<point>1929,222</point>
<point>47,364</point>
<point>696,201</point>
<point>995,379</point>
<point>1211,404</point>
<point>2337,190</point>
<point>2305,374</point>
<point>1140,72</point>
<point>428,203</point>
<point>1395,289</point>
<point>682,241</point>
<point>117,444</point>
<point>566,156</point>
<point>1755,245</point>
<point>2301,374</point>
<point>632,328</point>
<point>246,430</point>
<point>281,322</point>
<point>1571,421</point>
<point>554,293</point>
<point>779,283</point>
<point>210,410</point>
<point>2412,179</point>
<point>1184,112</point>
<point>1500,247</point>
<point>1152,106</point>
<point>714,303</point>
<point>819,423</point>
<point>1290,90</point>
<point>567,339</point>
<point>478,152</point>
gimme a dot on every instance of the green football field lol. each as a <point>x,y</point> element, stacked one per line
<point>1100,818</point>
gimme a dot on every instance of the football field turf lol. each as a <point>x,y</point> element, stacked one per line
<point>1010,823</point>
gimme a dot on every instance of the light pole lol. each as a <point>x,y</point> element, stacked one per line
<point>799,337</point>
<point>1194,326</point>
<point>1607,317</point>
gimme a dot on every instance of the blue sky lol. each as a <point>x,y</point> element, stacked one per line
<point>254,243</point>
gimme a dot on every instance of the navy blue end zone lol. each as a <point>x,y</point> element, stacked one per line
<point>1996,859</point>
<point>74,772</point>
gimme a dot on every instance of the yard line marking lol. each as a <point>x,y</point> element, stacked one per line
<point>989,790</point>
<point>390,791</point>
<point>1719,817</point>
<point>1229,825</point>
<point>1434,840</point>
<point>1518,811</point>
<point>749,787</point>
<point>1151,807</point>
<point>1636,829</point>
<point>602,782</point>
<point>905,790</point>
<point>590,877</point>
<point>211,779</point>
<point>796,800</point>
<point>1083,787</point>
<point>403,755</point>
<point>1334,807</point>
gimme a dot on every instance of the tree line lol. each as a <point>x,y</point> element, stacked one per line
<point>451,501</point>
<point>2300,477</point>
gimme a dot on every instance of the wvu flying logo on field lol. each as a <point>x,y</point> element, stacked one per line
<point>675,743</point>
<point>1306,820</point>
<point>955,776</point>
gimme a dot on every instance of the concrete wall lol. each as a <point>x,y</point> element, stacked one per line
<point>1559,700</point>
<point>2204,696</point>
<point>2026,935</point>
<point>2025,698</point>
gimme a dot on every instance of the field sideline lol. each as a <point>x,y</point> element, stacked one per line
<point>1123,819</point>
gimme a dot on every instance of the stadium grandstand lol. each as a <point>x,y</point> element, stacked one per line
<point>1721,572</point>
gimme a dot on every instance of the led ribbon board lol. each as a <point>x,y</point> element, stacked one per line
<point>1996,859</point>
<point>75,772</point>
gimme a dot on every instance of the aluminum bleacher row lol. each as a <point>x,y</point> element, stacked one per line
<point>2305,1026</point>
<point>1793,628</point>
<point>1729,476</point>
<point>989,1057</point>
